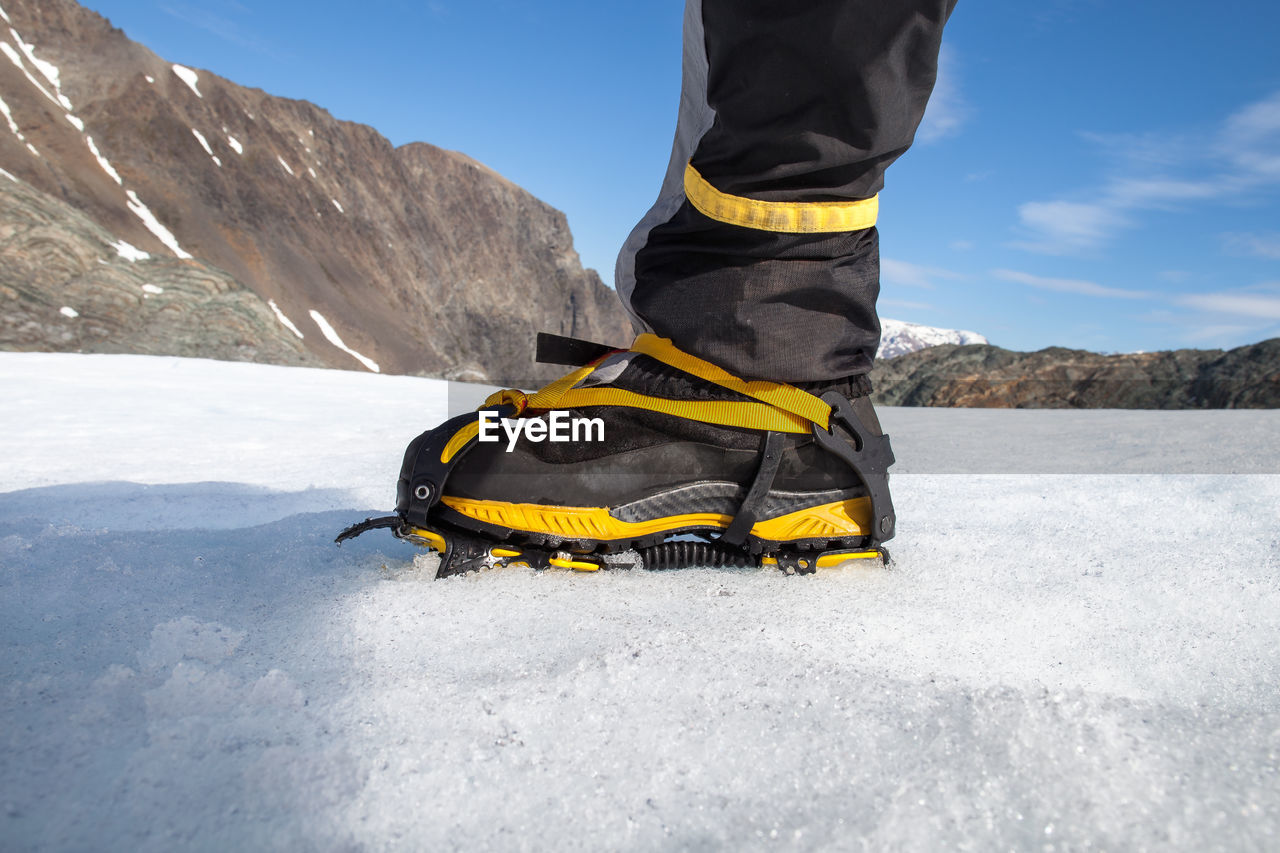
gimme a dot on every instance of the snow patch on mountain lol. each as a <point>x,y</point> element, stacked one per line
<point>331,334</point>
<point>899,338</point>
<point>191,78</point>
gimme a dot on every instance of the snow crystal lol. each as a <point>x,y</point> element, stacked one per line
<point>164,235</point>
<point>235,144</point>
<point>130,252</point>
<point>284,164</point>
<point>186,75</point>
<point>153,289</point>
<point>332,336</point>
<point>102,161</point>
<point>285,321</point>
<point>335,204</point>
<point>68,311</point>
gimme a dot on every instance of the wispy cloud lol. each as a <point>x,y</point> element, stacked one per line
<point>1256,304</point>
<point>1243,156</point>
<point>222,27</point>
<point>1070,285</point>
<point>948,108</point>
<point>907,274</point>
<point>1264,245</point>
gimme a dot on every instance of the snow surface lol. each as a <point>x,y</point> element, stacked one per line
<point>1059,659</point>
<point>235,144</point>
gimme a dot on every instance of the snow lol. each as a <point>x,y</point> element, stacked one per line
<point>284,164</point>
<point>152,289</point>
<point>8,175</point>
<point>69,312</point>
<point>899,338</point>
<point>17,61</point>
<point>47,70</point>
<point>164,235</point>
<point>102,161</point>
<point>191,78</point>
<point>204,143</point>
<point>149,78</point>
<point>130,252</point>
<point>1058,657</point>
<point>331,335</point>
<point>284,321</point>
<point>75,122</point>
<point>235,144</point>
<point>335,204</point>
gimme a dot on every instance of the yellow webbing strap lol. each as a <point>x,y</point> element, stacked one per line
<point>786,397</point>
<point>787,217</point>
<point>780,407</point>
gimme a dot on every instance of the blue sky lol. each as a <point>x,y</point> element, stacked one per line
<point>1093,174</point>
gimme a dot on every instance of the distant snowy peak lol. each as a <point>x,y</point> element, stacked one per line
<point>899,338</point>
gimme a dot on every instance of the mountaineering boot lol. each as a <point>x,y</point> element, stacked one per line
<point>644,444</point>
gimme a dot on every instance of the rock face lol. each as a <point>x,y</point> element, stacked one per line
<point>421,260</point>
<point>68,285</point>
<point>986,376</point>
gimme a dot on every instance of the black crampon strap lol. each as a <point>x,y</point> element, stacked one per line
<point>557,349</point>
<point>749,511</point>
<point>869,457</point>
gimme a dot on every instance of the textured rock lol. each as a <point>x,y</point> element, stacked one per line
<point>65,286</point>
<point>422,259</point>
<point>1058,378</point>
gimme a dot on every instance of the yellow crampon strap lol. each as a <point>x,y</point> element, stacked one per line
<point>774,406</point>
<point>787,217</point>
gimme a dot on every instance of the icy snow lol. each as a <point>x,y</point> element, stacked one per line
<point>284,321</point>
<point>204,143</point>
<point>17,60</point>
<point>235,144</point>
<point>130,252</point>
<point>164,235</point>
<point>186,75</point>
<point>1058,657</point>
<point>331,335</point>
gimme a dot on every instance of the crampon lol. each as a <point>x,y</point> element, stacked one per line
<point>695,468</point>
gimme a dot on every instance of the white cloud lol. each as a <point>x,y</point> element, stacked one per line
<point>906,274</point>
<point>1264,245</point>
<point>1245,158</point>
<point>1062,227</point>
<point>1238,303</point>
<point>1070,285</point>
<point>948,109</point>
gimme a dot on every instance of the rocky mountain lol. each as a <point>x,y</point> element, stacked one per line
<point>899,338</point>
<point>407,260</point>
<point>987,376</point>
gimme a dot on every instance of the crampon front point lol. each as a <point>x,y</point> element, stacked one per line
<point>741,474</point>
